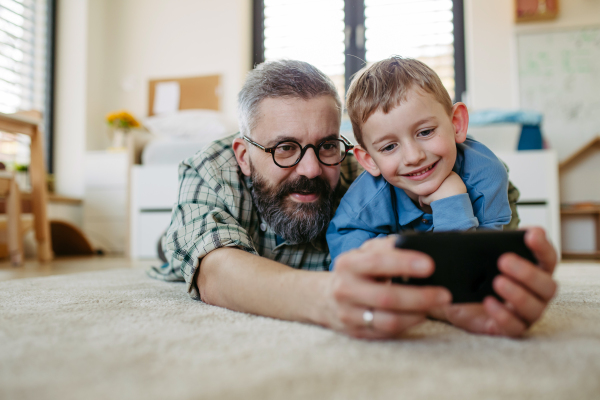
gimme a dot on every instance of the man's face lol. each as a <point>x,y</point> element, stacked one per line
<point>414,145</point>
<point>296,202</point>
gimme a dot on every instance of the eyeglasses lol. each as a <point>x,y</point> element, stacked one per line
<point>288,153</point>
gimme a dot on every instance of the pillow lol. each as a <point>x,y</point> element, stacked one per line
<point>206,125</point>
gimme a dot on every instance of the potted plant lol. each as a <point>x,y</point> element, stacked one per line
<point>121,123</point>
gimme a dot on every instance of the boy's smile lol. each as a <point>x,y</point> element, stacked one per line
<point>413,146</point>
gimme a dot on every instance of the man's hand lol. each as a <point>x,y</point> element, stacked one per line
<point>525,287</point>
<point>451,186</point>
<point>360,282</point>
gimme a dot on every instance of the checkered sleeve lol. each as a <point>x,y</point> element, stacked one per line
<point>207,215</point>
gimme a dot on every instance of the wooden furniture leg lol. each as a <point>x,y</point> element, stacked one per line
<point>39,198</point>
<point>13,228</point>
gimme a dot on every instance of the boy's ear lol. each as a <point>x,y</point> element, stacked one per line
<point>460,120</point>
<point>366,161</point>
<point>241,155</point>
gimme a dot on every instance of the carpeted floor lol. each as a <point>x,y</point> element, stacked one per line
<point>120,335</point>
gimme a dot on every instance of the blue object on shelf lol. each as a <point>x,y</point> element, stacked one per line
<point>531,138</point>
<point>531,134</point>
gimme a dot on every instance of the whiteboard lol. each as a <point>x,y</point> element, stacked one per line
<point>559,75</point>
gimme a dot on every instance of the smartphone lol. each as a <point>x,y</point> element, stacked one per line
<point>465,262</point>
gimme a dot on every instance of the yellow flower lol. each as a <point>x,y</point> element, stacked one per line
<point>122,119</point>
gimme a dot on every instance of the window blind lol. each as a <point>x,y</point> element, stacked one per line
<point>307,30</point>
<point>23,55</point>
<point>421,29</point>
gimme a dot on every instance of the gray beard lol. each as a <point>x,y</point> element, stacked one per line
<point>293,221</point>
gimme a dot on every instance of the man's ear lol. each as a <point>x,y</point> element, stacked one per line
<point>241,155</point>
<point>366,161</point>
<point>460,120</point>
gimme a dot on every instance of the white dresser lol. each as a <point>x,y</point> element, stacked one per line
<point>154,190</point>
<point>535,174</point>
<point>105,200</point>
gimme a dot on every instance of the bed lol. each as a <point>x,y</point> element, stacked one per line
<point>154,156</point>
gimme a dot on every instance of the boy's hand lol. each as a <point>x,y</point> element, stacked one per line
<point>451,186</point>
<point>359,283</point>
<point>525,287</point>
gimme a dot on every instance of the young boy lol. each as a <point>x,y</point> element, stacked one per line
<point>422,172</point>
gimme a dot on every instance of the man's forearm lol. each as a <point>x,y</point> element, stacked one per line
<point>241,281</point>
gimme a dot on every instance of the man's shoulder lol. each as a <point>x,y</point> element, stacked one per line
<point>214,166</point>
<point>216,155</point>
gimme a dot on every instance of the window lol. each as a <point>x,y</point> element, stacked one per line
<point>26,54</point>
<point>340,36</point>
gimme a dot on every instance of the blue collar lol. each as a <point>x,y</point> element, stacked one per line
<point>407,210</point>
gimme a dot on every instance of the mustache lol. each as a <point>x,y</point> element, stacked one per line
<point>303,185</point>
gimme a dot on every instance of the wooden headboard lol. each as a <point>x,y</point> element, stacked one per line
<point>196,92</point>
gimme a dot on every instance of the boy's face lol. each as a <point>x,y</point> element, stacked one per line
<point>414,145</point>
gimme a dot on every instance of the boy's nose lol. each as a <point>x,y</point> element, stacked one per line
<point>309,166</point>
<point>413,154</point>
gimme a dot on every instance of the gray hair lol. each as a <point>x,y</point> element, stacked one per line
<point>285,79</point>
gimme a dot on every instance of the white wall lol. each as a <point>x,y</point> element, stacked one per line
<point>490,33</point>
<point>149,39</point>
<point>107,50</point>
<point>70,97</point>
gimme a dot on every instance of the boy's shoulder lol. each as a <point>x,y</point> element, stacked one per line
<point>474,153</point>
<point>364,190</point>
<point>475,161</point>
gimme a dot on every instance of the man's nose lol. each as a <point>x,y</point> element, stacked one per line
<point>309,166</point>
<point>412,153</point>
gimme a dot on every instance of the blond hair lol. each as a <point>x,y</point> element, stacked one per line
<point>385,84</point>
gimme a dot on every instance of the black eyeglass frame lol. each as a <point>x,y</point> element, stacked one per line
<point>349,146</point>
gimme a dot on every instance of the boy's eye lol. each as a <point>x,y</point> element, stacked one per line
<point>425,133</point>
<point>389,147</point>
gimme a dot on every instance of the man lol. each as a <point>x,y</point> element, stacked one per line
<point>251,207</point>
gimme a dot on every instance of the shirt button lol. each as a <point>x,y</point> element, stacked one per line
<point>425,221</point>
<point>263,227</point>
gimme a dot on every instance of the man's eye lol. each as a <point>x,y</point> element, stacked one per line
<point>286,148</point>
<point>389,148</point>
<point>425,133</point>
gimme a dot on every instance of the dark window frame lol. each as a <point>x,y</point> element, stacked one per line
<point>50,85</point>
<point>355,49</point>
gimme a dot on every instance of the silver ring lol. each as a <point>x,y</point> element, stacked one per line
<point>368,318</point>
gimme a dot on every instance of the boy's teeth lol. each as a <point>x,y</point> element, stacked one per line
<point>422,172</point>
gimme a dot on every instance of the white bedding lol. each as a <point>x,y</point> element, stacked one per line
<point>164,151</point>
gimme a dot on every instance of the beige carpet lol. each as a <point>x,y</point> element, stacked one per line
<point>120,335</point>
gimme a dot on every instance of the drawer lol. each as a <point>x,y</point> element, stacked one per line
<point>150,227</point>
<point>154,187</point>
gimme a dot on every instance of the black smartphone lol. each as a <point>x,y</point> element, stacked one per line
<point>465,262</point>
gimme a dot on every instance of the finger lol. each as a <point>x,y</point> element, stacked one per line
<point>522,302</point>
<point>385,262</point>
<point>469,316</point>
<point>387,325</point>
<point>542,249</point>
<point>502,321</point>
<point>385,321</point>
<point>397,298</point>
<point>525,273</point>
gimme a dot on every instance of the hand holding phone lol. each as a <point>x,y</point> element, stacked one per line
<point>465,262</point>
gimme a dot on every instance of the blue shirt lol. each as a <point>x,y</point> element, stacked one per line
<point>372,207</point>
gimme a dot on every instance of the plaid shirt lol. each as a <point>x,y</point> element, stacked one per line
<point>215,209</point>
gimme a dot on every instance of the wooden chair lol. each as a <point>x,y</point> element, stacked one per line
<point>21,124</point>
<point>9,190</point>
